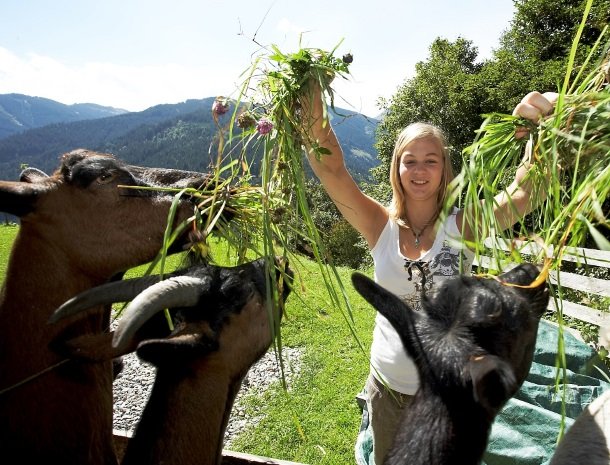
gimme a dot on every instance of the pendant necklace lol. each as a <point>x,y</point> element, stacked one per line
<point>417,234</point>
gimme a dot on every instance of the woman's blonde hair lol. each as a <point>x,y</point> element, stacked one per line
<point>414,131</point>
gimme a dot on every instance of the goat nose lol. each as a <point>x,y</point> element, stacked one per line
<point>532,270</point>
<point>523,274</point>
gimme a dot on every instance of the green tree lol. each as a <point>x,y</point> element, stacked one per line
<point>544,29</point>
<point>454,91</point>
<point>444,92</point>
<point>534,51</point>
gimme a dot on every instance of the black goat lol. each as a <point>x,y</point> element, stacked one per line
<point>79,228</point>
<point>224,323</point>
<point>473,346</point>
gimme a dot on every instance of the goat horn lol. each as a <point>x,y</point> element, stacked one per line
<point>178,291</point>
<point>109,293</point>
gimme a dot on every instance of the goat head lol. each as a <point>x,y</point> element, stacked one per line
<point>224,322</point>
<point>88,222</point>
<point>200,292</point>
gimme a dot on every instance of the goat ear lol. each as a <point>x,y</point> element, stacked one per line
<point>88,347</point>
<point>493,381</point>
<point>398,313</point>
<point>184,347</point>
<point>33,175</point>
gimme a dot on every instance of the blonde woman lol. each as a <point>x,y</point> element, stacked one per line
<point>411,250</point>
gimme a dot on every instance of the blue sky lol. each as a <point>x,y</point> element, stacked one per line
<point>134,54</point>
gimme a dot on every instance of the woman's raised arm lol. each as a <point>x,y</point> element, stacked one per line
<point>365,214</point>
<point>525,193</point>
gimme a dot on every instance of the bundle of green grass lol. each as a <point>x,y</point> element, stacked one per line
<point>570,156</point>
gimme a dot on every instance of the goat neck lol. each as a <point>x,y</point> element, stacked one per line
<point>201,365</point>
<point>456,430</point>
<point>43,385</point>
<point>189,407</point>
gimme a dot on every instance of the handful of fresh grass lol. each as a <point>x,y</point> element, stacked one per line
<point>570,170</point>
<point>570,155</point>
<point>260,174</point>
<point>274,86</point>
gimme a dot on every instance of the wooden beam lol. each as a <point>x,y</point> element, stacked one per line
<point>121,438</point>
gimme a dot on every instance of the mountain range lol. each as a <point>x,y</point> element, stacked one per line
<point>19,112</point>
<point>35,132</point>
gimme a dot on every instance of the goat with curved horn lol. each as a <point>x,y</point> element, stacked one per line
<point>80,227</point>
<point>147,294</point>
<point>222,326</point>
<point>175,292</point>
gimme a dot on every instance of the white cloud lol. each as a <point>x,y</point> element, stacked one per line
<point>286,26</point>
<point>205,51</point>
<point>130,87</point>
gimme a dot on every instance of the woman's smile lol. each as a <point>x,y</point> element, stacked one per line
<point>421,167</point>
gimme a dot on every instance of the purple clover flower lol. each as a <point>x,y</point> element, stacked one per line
<point>220,106</point>
<point>264,126</point>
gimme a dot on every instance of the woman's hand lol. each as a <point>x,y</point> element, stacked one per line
<point>311,103</point>
<point>533,107</point>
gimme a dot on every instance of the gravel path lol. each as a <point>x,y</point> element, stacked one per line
<point>133,385</point>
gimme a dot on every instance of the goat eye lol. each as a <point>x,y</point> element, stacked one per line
<point>105,178</point>
<point>490,315</point>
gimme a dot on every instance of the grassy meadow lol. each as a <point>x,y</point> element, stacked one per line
<point>7,236</point>
<point>316,420</point>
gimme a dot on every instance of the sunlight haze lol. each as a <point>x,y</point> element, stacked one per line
<point>136,54</point>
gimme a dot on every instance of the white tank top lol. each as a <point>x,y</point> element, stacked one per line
<point>407,278</point>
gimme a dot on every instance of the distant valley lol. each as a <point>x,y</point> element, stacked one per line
<point>35,132</point>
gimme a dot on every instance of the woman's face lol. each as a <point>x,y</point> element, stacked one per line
<point>421,168</point>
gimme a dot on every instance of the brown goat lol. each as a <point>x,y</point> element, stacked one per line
<point>78,230</point>
<point>223,324</point>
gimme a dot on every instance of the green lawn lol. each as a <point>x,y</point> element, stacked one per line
<point>7,236</point>
<point>316,421</point>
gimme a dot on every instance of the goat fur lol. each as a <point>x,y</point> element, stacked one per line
<point>223,325</point>
<point>78,230</point>
<point>473,346</point>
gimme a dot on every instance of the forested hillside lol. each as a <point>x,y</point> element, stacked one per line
<point>180,136</point>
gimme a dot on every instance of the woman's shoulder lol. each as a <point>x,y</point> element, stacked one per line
<point>454,220</point>
<point>455,211</point>
<point>387,233</point>
<point>452,233</point>
<point>451,227</point>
